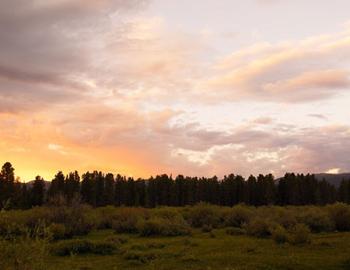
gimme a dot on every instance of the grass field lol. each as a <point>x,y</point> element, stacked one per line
<point>215,250</point>
<point>195,237</point>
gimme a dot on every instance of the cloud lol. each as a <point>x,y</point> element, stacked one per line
<point>48,48</point>
<point>96,84</point>
<point>319,116</point>
<point>309,85</point>
<point>56,147</point>
<point>306,70</point>
<point>310,150</point>
<point>263,120</point>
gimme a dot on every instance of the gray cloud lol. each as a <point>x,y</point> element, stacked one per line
<point>319,116</point>
<point>52,44</point>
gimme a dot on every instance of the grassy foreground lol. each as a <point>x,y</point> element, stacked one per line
<point>215,250</point>
<point>204,236</point>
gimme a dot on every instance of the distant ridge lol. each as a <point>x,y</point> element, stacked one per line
<point>334,179</point>
<point>47,184</point>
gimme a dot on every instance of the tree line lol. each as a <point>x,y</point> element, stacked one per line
<point>99,189</point>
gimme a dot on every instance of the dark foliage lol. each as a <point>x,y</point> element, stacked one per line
<point>98,189</point>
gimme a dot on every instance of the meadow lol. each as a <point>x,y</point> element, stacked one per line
<point>194,237</point>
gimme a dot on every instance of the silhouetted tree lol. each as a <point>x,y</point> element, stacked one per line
<point>72,186</point>
<point>98,189</point>
<point>57,187</point>
<point>7,184</point>
<point>109,189</point>
<point>37,193</point>
<point>88,189</point>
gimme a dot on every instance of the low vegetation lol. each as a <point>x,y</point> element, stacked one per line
<point>33,239</point>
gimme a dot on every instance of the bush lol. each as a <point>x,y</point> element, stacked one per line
<point>156,245</point>
<point>300,234</point>
<point>207,228</point>
<point>141,257</point>
<point>285,217</point>
<point>176,228</point>
<point>259,227</point>
<point>203,214</point>
<point>23,253</point>
<point>10,226</point>
<point>163,227</point>
<point>110,217</point>
<point>340,215</point>
<point>78,219</point>
<point>235,231</point>
<point>238,215</point>
<point>151,227</point>
<point>316,219</point>
<point>126,221</point>
<point>117,240</point>
<point>166,212</point>
<point>57,231</point>
<point>279,234</point>
<point>78,247</point>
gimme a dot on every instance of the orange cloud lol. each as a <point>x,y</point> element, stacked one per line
<point>274,72</point>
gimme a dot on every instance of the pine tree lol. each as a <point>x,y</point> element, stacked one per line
<point>109,189</point>
<point>7,184</point>
<point>99,181</point>
<point>57,187</point>
<point>72,186</point>
<point>88,189</point>
<point>37,192</point>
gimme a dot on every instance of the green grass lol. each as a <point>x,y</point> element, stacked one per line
<point>215,250</point>
<point>200,237</point>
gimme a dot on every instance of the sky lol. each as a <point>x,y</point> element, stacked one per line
<point>200,87</point>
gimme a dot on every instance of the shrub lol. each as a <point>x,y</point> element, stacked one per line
<point>166,212</point>
<point>235,231</point>
<point>126,221</point>
<point>340,215</point>
<point>156,245</point>
<point>176,228</point>
<point>259,227</point>
<point>78,247</point>
<point>10,226</point>
<point>117,240</point>
<point>190,243</point>
<point>23,253</point>
<point>67,248</point>
<point>142,257</point>
<point>57,231</point>
<point>78,219</point>
<point>316,219</point>
<point>285,217</point>
<point>299,235</point>
<point>106,215</point>
<point>36,215</point>
<point>151,227</point>
<point>81,226</point>
<point>279,234</point>
<point>190,258</point>
<point>207,228</point>
<point>203,214</point>
<point>39,231</point>
<point>238,215</point>
<point>212,234</point>
<point>163,227</point>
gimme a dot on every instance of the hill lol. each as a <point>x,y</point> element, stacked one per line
<point>47,184</point>
<point>334,179</point>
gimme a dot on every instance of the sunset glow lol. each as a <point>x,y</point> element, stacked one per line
<point>200,87</point>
